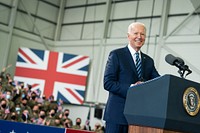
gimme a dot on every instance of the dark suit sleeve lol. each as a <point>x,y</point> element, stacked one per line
<point>150,71</point>
<point>154,73</point>
<point>113,81</point>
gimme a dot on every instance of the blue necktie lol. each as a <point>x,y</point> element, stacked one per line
<point>138,65</point>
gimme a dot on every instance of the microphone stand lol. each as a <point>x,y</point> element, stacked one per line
<point>182,71</point>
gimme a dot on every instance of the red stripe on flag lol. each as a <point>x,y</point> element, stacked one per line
<point>70,64</point>
<point>24,54</point>
<point>74,95</point>
<point>34,85</point>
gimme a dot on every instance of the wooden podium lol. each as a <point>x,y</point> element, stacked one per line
<point>142,129</point>
<point>163,105</point>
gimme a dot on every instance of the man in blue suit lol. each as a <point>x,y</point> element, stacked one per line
<point>120,74</point>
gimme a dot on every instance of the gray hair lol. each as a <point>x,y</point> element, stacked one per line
<point>131,26</point>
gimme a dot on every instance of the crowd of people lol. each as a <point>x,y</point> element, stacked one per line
<point>21,104</point>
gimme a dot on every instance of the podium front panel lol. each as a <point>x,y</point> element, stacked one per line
<point>159,103</point>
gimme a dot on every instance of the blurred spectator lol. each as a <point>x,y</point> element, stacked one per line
<point>4,111</point>
<point>67,123</point>
<point>4,78</point>
<point>60,106</point>
<point>14,117</point>
<point>35,113</point>
<point>2,89</point>
<point>98,128</point>
<point>41,120</point>
<point>26,116</point>
<point>33,99</point>
<point>66,117</point>
<point>18,108</point>
<point>78,124</point>
<point>40,106</point>
<point>9,86</point>
<point>10,103</point>
<point>58,122</point>
<point>52,113</point>
<point>87,125</point>
<point>24,105</point>
<point>51,117</point>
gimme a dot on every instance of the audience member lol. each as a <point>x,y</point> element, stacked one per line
<point>66,117</point>
<point>58,122</point>
<point>78,124</point>
<point>35,113</point>
<point>14,117</point>
<point>41,119</point>
<point>4,111</point>
<point>87,126</point>
<point>25,116</point>
<point>98,128</point>
<point>24,105</point>
<point>10,103</point>
<point>51,117</point>
<point>67,123</point>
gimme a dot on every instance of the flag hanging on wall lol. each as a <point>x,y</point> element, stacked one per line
<point>53,73</point>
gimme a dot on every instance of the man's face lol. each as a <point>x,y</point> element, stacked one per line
<point>78,121</point>
<point>42,113</point>
<point>137,37</point>
<point>24,102</point>
<point>3,102</point>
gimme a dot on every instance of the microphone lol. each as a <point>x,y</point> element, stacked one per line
<point>175,61</point>
<point>178,62</point>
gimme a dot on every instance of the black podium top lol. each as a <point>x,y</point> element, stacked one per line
<point>159,103</point>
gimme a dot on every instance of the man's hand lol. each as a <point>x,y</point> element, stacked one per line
<point>138,82</point>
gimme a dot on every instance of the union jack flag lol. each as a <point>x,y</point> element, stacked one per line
<point>53,73</point>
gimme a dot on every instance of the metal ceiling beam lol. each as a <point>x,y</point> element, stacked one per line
<point>84,16</point>
<point>182,22</point>
<point>10,31</point>
<point>163,29</point>
<point>102,48</point>
<point>196,4</point>
<point>164,18</point>
<point>37,29</point>
<point>106,19</point>
<point>60,20</point>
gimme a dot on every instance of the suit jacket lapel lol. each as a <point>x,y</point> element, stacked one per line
<point>143,57</point>
<point>131,61</point>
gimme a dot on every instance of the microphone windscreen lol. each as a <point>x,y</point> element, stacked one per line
<point>170,59</point>
<point>181,62</point>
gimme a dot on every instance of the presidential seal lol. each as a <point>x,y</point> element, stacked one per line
<point>191,101</point>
